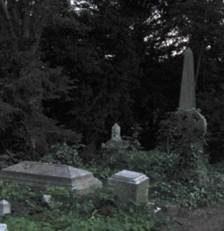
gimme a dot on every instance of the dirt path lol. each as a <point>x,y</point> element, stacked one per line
<point>204,219</point>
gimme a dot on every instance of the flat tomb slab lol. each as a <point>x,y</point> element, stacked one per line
<point>43,175</point>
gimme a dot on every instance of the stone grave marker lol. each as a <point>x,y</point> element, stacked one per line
<point>116,142</point>
<point>5,208</point>
<point>3,227</point>
<point>42,175</point>
<point>187,99</point>
<point>46,199</point>
<point>116,132</point>
<point>130,186</point>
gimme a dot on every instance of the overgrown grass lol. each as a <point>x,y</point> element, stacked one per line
<point>169,184</point>
<point>71,223</point>
<point>168,179</point>
<point>99,211</point>
<point>67,212</point>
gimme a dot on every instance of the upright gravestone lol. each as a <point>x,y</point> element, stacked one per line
<point>3,227</point>
<point>115,142</point>
<point>130,186</point>
<point>187,93</point>
<point>116,133</point>
<point>187,101</point>
<point>5,208</point>
<point>190,124</point>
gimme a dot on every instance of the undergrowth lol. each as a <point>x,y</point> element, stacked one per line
<point>68,212</point>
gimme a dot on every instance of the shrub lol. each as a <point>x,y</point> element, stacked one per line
<point>181,129</point>
<point>64,154</point>
<point>94,212</point>
<point>69,223</point>
<point>183,132</point>
<point>156,164</point>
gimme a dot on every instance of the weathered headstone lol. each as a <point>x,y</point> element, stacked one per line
<point>187,99</point>
<point>3,227</point>
<point>115,141</point>
<point>130,186</point>
<point>42,175</point>
<point>5,208</point>
<point>46,199</point>
<point>116,132</point>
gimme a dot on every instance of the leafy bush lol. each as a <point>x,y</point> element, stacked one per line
<point>181,129</point>
<point>69,223</point>
<point>102,172</point>
<point>183,133</point>
<point>94,212</point>
<point>64,154</point>
<point>25,224</point>
<point>155,164</point>
<point>168,183</point>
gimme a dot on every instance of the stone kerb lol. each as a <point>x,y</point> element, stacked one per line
<point>5,208</point>
<point>43,175</point>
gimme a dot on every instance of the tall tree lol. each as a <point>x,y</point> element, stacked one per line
<point>26,81</point>
<point>100,54</point>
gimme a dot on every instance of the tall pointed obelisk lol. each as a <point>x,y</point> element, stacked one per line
<point>187,93</point>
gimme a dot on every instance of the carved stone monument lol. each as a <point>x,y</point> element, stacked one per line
<point>3,227</point>
<point>187,93</point>
<point>190,124</point>
<point>130,186</point>
<point>46,199</point>
<point>116,133</point>
<point>115,142</point>
<point>187,101</point>
<point>42,175</point>
<point>5,208</point>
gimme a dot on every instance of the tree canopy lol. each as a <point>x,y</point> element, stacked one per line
<point>68,70</point>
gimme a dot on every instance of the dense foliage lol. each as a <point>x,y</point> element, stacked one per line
<point>100,210</point>
<point>96,212</point>
<point>67,70</point>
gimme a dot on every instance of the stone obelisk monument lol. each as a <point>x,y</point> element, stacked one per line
<point>187,99</point>
<point>191,123</point>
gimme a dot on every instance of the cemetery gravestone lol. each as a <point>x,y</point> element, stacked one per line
<point>130,186</point>
<point>187,101</point>
<point>3,227</point>
<point>46,199</point>
<point>42,175</point>
<point>116,132</point>
<point>187,94</point>
<point>5,208</point>
<point>116,143</point>
<point>190,126</point>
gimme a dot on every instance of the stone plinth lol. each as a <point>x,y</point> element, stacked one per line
<point>5,208</point>
<point>130,186</point>
<point>46,199</point>
<point>42,175</point>
<point>3,227</point>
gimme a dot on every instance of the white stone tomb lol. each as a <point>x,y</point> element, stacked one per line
<point>3,227</point>
<point>130,186</point>
<point>43,175</point>
<point>5,208</point>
